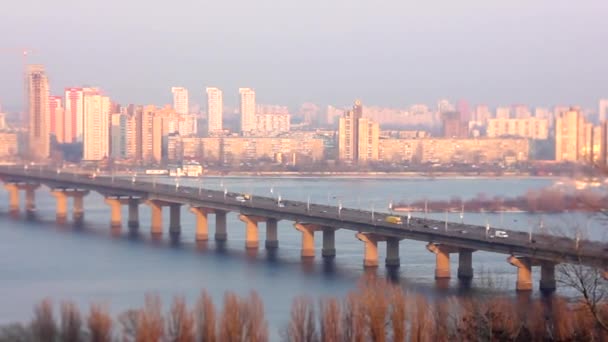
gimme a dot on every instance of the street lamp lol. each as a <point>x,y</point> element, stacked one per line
<point>446,220</point>
<point>225,193</point>
<point>340,209</point>
<point>308,204</point>
<point>373,219</point>
<point>487,228</point>
<point>409,217</point>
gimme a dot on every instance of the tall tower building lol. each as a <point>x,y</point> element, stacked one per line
<point>248,121</point>
<point>348,134</point>
<point>603,110</point>
<point>180,100</point>
<point>368,140</point>
<point>56,118</point>
<point>96,139</point>
<point>215,109</point>
<point>38,110</point>
<point>74,114</point>
<point>573,137</point>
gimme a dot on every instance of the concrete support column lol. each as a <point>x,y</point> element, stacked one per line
<point>175,218</point>
<point>329,242</point>
<point>442,260</point>
<point>133,219</point>
<point>61,212</point>
<point>30,200</point>
<point>465,264</point>
<point>251,231</point>
<point>370,258</point>
<point>78,208</point>
<point>524,272</point>
<point>547,282</point>
<point>202,226</point>
<point>392,252</point>
<point>272,238</point>
<point>308,239</point>
<point>157,218</point>
<point>220,226</point>
<point>115,212</point>
<point>13,198</point>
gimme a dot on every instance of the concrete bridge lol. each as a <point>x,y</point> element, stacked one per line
<point>523,252</point>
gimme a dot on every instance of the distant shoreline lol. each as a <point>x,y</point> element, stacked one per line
<point>362,175</point>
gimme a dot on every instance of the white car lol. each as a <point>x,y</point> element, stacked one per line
<point>240,198</point>
<point>501,234</point>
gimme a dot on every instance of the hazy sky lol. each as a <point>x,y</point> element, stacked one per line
<point>391,53</point>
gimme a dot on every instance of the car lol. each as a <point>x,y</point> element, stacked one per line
<point>463,232</point>
<point>281,205</point>
<point>435,228</point>
<point>501,234</point>
<point>240,199</point>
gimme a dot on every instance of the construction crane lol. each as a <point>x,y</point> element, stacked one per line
<point>25,52</point>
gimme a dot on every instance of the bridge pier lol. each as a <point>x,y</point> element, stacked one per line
<point>115,212</point>
<point>13,198</point>
<point>133,219</point>
<point>465,264</point>
<point>175,218</point>
<point>251,233</point>
<point>547,283</point>
<point>370,241</point>
<point>272,238</point>
<point>442,260</point>
<point>30,200</point>
<point>524,272</point>
<point>156,209</point>
<point>202,222</point>
<point>392,252</point>
<point>308,238</point>
<point>329,242</point>
<point>61,211</point>
<point>220,226</point>
<point>78,207</point>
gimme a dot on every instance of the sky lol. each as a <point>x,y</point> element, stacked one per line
<point>391,53</point>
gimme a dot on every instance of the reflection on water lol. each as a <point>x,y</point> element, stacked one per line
<point>96,263</point>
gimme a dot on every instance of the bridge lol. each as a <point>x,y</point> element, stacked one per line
<point>523,250</point>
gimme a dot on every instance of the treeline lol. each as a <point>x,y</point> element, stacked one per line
<point>534,201</point>
<point>375,311</point>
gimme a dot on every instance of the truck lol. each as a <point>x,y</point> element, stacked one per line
<point>393,219</point>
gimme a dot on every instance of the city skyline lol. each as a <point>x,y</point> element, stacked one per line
<point>416,53</point>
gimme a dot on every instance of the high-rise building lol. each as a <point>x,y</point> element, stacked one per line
<point>368,140</point>
<point>573,137</point>
<point>118,133</point>
<point>56,118</point>
<point>215,109</point>
<point>272,123</point>
<point>149,134</point>
<point>74,114</point>
<point>180,100</point>
<point>503,113</point>
<point>348,134</point>
<point>453,127</point>
<point>38,112</point>
<point>247,110</point>
<point>603,110</point>
<point>96,139</point>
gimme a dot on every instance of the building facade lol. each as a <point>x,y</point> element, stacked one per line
<point>572,137</point>
<point>180,100</point>
<point>96,139</point>
<point>348,134</point>
<point>215,110</point>
<point>531,128</point>
<point>248,107</point>
<point>56,118</point>
<point>38,112</point>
